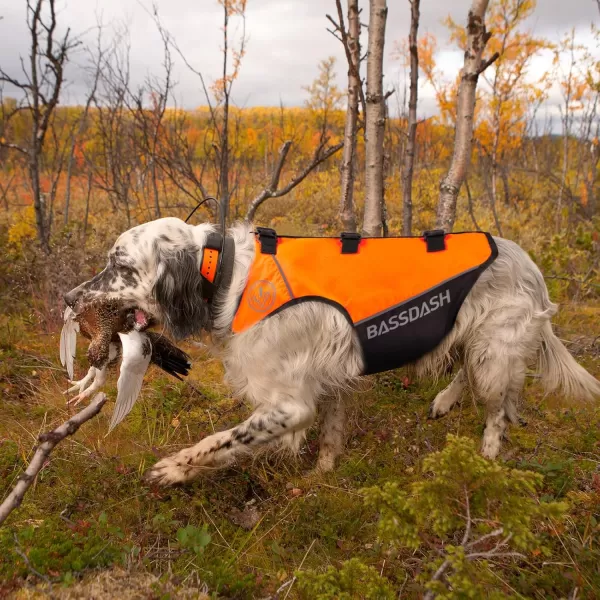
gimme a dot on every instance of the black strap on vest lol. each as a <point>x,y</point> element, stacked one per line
<point>435,240</point>
<point>350,242</point>
<point>268,240</point>
<point>224,273</point>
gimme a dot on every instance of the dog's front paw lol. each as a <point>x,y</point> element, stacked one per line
<point>169,471</point>
<point>437,410</point>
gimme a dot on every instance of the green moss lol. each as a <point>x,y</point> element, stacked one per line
<point>61,549</point>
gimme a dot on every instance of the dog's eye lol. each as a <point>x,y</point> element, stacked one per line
<point>119,266</point>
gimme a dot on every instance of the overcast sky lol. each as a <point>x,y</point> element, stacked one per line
<point>286,40</point>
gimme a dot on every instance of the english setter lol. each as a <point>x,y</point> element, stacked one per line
<point>307,357</point>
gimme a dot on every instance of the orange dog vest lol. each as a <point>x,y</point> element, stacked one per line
<point>401,295</point>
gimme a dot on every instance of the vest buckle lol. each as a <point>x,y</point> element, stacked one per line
<point>268,240</point>
<point>435,240</point>
<point>350,242</point>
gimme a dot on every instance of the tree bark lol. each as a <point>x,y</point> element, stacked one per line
<point>37,133</point>
<point>477,38</point>
<point>409,155</point>
<point>347,210</point>
<point>374,120</point>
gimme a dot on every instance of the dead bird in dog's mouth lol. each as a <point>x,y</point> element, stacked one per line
<point>115,333</point>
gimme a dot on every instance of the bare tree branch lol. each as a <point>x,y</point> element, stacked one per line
<point>45,76</point>
<point>16,147</point>
<point>75,135</point>
<point>220,114</point>
<point>491,60</point>
<point>25,558</point>
<point>350,39</point>
<point>319,156</point>
<point>48,442</point>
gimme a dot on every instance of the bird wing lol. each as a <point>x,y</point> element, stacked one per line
<point>169,357</point>
<point>68,340</point>
<point>137,351</point>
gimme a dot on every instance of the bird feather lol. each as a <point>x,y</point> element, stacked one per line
<point>137,352</point>
<point>68,340</point>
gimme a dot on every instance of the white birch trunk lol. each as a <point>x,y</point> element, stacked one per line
<point>450,186</point>
<point>347,212</point>
<point>374,120</point>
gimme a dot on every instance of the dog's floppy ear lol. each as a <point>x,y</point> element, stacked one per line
<point>178,291</point>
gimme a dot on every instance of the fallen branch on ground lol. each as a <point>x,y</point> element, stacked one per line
<point>47,443</point>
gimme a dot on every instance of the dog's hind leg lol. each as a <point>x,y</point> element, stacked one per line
<point>284,418</point>
<point>498,382</point>
<point>331,439</point>
<point>449,396</point>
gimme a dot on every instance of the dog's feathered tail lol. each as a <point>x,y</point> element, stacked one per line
<point>559,370</point>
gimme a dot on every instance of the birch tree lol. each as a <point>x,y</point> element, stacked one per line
<point>350,39</point>
<point>409,155</point>
<point>474,65</point>
<point>374,120</point>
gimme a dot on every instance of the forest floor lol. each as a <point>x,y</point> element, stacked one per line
<point>90,527</point>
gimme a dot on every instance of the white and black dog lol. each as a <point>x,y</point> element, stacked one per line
<point>307,357</point>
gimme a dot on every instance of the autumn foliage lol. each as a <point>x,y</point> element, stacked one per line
<point>130,157</point>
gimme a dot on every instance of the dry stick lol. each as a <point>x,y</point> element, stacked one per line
<point>48,442</point>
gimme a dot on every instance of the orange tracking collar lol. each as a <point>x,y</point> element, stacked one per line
<point>210,259</point>
<point>401,295</point>
<point>216,268</point>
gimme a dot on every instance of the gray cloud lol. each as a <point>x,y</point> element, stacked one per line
<point>287,38</point>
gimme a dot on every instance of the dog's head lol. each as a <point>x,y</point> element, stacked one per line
<point>154,270</point>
